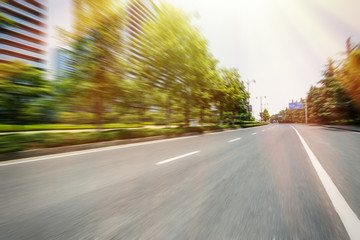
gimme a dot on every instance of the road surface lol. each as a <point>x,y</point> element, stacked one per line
<point>269,182</point>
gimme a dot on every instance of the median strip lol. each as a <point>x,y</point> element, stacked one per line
<point>176,158</point>
<point>234,140</point>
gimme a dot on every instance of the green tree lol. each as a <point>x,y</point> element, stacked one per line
<point>21,87</point>
<point>330,102</point>
<point>94,82</point>
<point>172,56</point>
<point>266,115</point>
<point>236,95</point>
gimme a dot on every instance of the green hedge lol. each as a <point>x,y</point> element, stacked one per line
<point>19,142</point>
<point>39,127</point>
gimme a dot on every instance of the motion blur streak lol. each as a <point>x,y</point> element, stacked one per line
<point>263,187</point>
<point>158,136</point>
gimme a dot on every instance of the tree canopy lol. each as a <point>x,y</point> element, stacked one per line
<point>20,86</point>
<point>336,98</point>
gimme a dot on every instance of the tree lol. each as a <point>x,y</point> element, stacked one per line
<point>97,44</point>
<point>349,75</point>
<point>235,98</point>
<point>349,47</point>
<point>172,56</point>
<point>266,115</point>
<point>330,102</point>
<point>21,86</point>
<point>334,100</point>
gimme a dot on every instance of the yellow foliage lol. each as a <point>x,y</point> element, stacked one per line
<point>350,75</point>
<point>89,14</point>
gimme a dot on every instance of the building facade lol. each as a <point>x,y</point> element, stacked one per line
<point>62,62</point>
<point>138,13</point>
<point>26,41</point>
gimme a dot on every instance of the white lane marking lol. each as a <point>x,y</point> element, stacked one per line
<point>74,153</point>
<point>253,133</point>
<point>62,155</point>
<point>226,131</point>
<point>176,158</point>
<point>346,214</point>
<point>263,130</point>
<point>233,140</point>
<point>230,130</point>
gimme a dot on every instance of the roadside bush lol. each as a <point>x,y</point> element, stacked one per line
<point>18,142</point>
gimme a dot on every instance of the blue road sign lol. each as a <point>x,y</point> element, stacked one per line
<point>280,116</point>
<point>296,105</point>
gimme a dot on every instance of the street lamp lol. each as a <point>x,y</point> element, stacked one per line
<point>248,90</point>
<point>261,105</point>
<point>248,84</point>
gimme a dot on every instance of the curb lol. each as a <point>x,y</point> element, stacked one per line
<point>72,148</point>
<point>338,127</point>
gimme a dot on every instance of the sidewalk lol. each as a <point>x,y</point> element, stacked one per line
<point>347,128</point>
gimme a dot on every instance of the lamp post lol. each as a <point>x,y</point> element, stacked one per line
<point>261,105</point>
<point>248,84</point>
<point>248,89</point>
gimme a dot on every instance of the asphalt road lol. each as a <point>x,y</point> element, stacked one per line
<point>257,183</point>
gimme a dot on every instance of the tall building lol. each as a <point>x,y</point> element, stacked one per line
<point>138,13</point>
<point>26,41</point>
<point>62,62</point>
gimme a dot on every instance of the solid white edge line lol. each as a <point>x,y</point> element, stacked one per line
<point>346,214</point>
<point>176,158</point>
<point>81,152</point>
<point>254,133</point>
<point>233,140</point>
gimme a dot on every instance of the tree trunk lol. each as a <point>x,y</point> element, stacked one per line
<point>187,110</point>
<point>221,113</point>
<point>233,118</point>
<point>168,110</point>
<point>140,114</point>
<point>202,115</point>
<point>99,99</point>
<point>99,110</point>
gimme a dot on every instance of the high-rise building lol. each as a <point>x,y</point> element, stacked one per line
<point>62,62</point>
<point>138,13</point>
<point>26,40</point>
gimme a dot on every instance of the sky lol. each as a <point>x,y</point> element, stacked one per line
<point>282,44</point>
